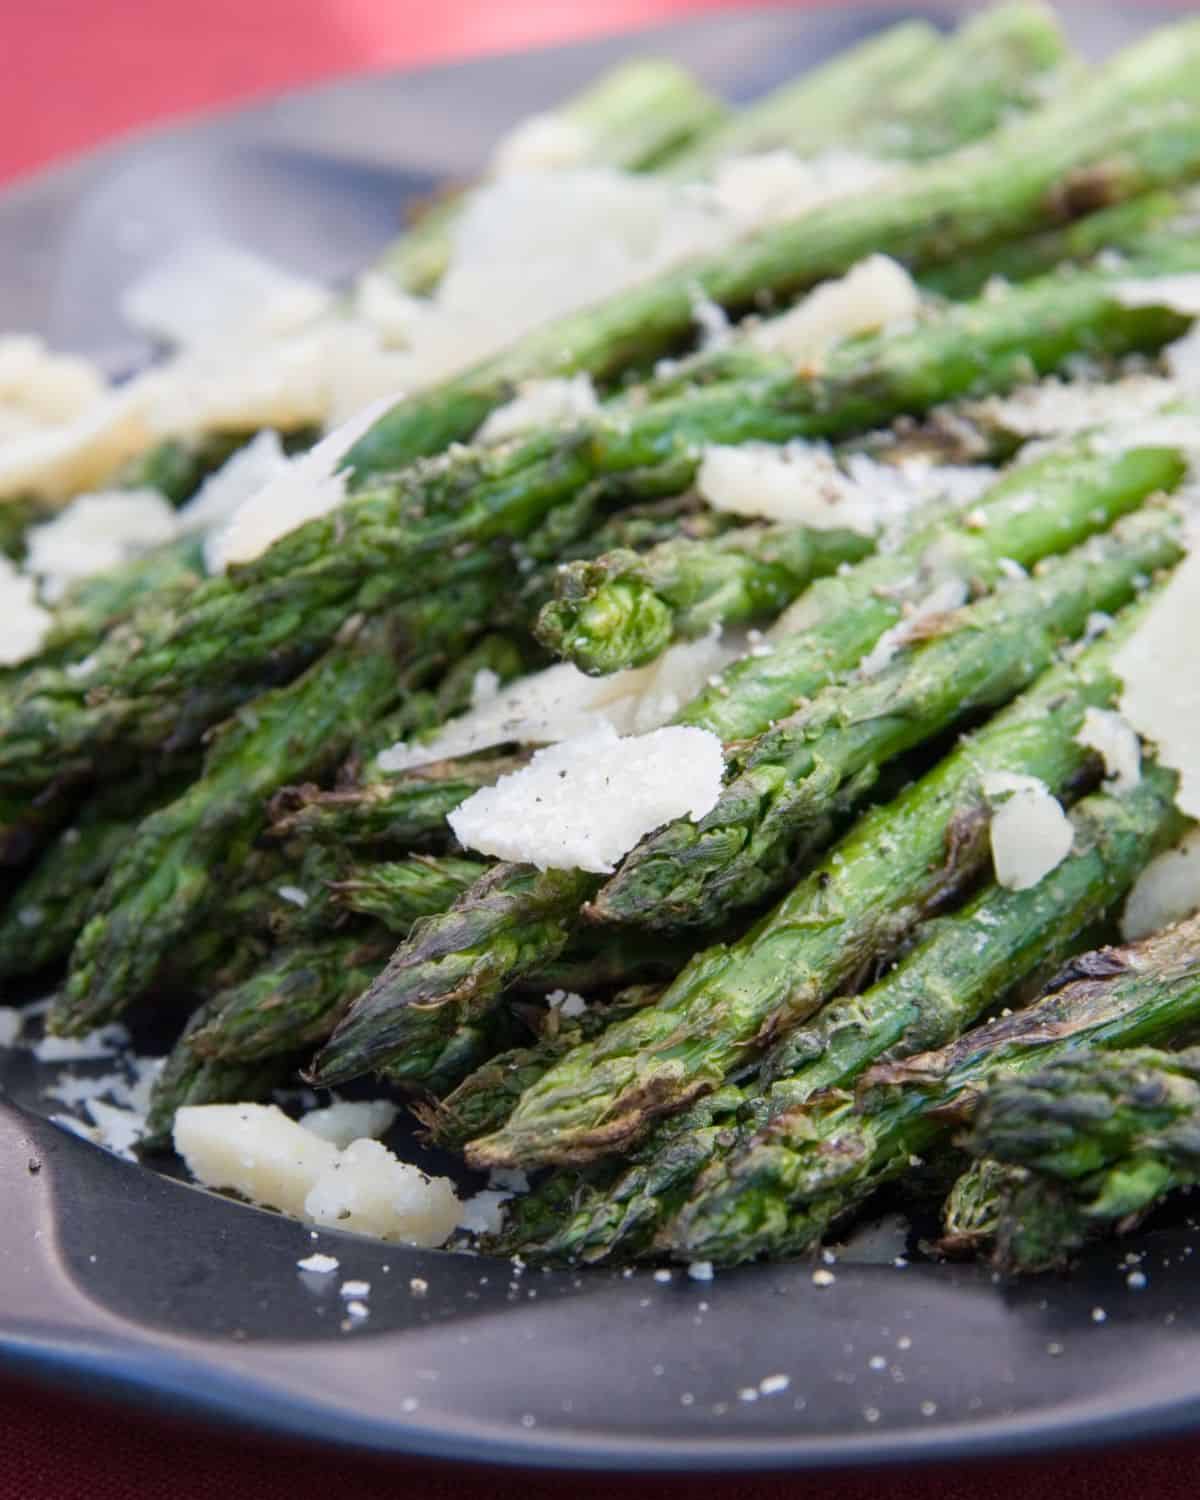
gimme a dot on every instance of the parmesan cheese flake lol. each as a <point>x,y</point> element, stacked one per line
<point>1116,742</point>
<point>1166,891</point>
<point>584,803</point>
<point>1030,833</point>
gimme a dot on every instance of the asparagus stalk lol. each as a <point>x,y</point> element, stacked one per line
<point>843,617</point>
<point>1125,226</point>
<point>398,811</point>
<point>972,1210</point>
<point>176,670</point>
<point>1088,1143</point>
<point>899,863</point>
<point>293,1001</point>
<point>622,610</point>
<point>453,968</point>
<point>170,874</point>
<point>633,118</point>
<point>783,795</point>
<point>824,107</point>
<point>1131,127</point>
<point>47,909</point>
<point>398,893</point>
<point>485,1098</point>
<point>962,963</point>
<point>811,1165</point>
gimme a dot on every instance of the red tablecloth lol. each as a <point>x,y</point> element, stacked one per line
<point>76,72</point>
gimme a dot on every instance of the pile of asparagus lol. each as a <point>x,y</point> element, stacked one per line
<point>783,996</point>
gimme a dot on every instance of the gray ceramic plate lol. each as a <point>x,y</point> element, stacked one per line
<point>116,1280</point>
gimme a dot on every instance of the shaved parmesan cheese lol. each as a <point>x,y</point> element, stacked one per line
<point>584,803</point>
<point>253,1149</point>
<point>562,702</point>
<point>239,477</point>
<point>1161,693</point>
<point>367,1190</point>
<point>96,533</point>
<point>210,289</point>
<point>310,486</point>
<point>541,403</point>
<point>542,143</point>
<point>344,1122</point>
<point>394,314</point>
<point>77,455</point>
<point>801,484</point>
<point>1179,293</point>
<point>1116,741</point>
<point>1030,833</point>
<point>875,294</point>
<point>1054,407</point>
<point>257,1151</point>
<point>41,389</point>
<point>948,596</point>
<point>26,623</point>
<point>1167,890</point>
<point>770,186</point>
<point>10,1026</point>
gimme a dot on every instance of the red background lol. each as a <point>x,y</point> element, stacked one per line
<point>75,72</point>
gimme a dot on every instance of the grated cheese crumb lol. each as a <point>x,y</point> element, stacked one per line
<point>565,1003</point>
<point>354,1289</point>
<point>1166,891</point>
<point>545,142</point>
<point>293,894</point>
<point>584,803</point>
<point>700,1270</point>
<point>321,1265</point>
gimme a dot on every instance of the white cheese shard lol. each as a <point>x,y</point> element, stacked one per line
<point>26,623</point>
<point>367,1190</point>
<point>1057,408</point>
<point>345,1121</point>
<point>1116,742</point>
<point>546,142</point>
<point>1182,359</point>
<point>257,1151</point>
<point>1167,890</point>
<point>240,476</point>
<point>310,486</point>
<point>117,1130</point>
<point>562,702</point>
<point>541,403</point>
<point>210,289</point>
<point>10,1026</point>
<point>770,186</point>
<point>944,599</point>
<point>877,293</point>
<point>1030,833</point>
<point>1160,697</point>
<point>42,389</point>
<point>584,803</point>
<point>1179,293</point>
<point>96,533</point>
<point>801,484</point>
<point>80,454</point>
